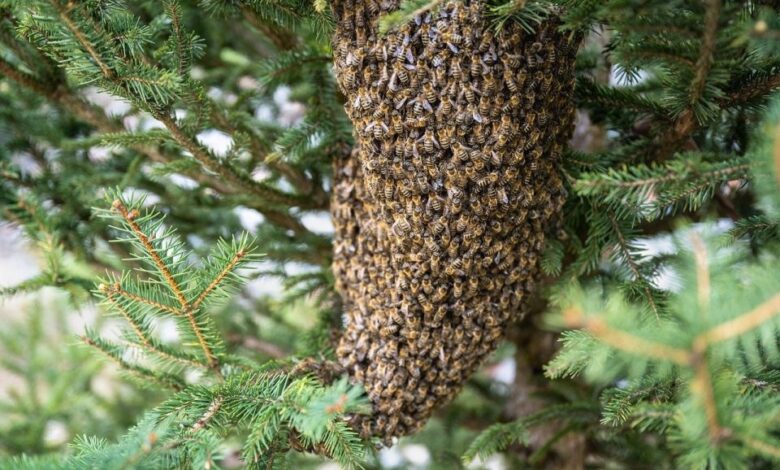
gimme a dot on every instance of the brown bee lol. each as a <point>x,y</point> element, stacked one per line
<point>429,141</point>
<point>429,92</point>
<point>475,66</point>
<point>489,85</point>
<point>376,129</point>
<point>388,331</point>
<point>446,135</point>
<point>422,183</point>
<point>431,168</point>
<point>456,71</point>
<point>459,152</point>
<point>401,72</point>
<point>397,122</point>
<point>486,42</point>
<point>439,226</point>
<point>484,105</point>
<point>388,189</point>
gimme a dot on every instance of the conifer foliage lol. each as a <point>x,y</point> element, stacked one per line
<point>649,338</point>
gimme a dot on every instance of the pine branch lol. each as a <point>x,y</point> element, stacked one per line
<point>64,14</point>
<point>574,318</point>
<point>116,289</point>
<point>129,217</point>
<point>217,281</point>
<point>125,314</point>
<point>687,121</point>
<point>623,244</point>
<point>228,173</point>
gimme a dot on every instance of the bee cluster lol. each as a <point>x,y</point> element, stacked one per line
<point>442,209</point>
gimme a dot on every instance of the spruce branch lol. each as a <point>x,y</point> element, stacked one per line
<point>627,255</point>
<point>116,289</point>
<point>212,410</point>
<point>575,318</point>
<point>281,38</point>
<point>230,174</point>
<point>64,11</point>
<point>219,278</point>
<point>687,120</point>
<point>142,337</point>
<point>156,349</point>
<point>129,218</point>
<point>751,320</point>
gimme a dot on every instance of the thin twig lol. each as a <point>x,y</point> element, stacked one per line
<point>686,122</point>
<point>208,415</point>
<point>150,348</point>
<point>152,252</point>
<point>136,328</point>
<point>744,323</point>
<point>230,174</point>
<point>702,386</point>
<point>762,446</point>
<point>217,280</point>
<point>81,37</point>
<point>633,266</point>
<point>625,341</point>
<point>137,298</point>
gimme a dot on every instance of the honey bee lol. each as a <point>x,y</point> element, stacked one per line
<point>486,181</point>
<point>445,106</point>
<point>429,92</point>
<point>460,152</point>
<point>469,93</point>
<point>388,189</point>
<point>476,66</point>
<point>439,295</point>
<point>405,188</point>
<point>511,84</point>
<point>422,184</point>
<point>446,135</point>
<point>431,168</point>
<point>486,42</point>
<point>456,71</point>
<point>551,54</point>
<point>388,331</point>
<point>439,226</point>
<point>360,37</point>
<point>429,141</point>
<point>547,83</point>
<point>400,71</point>
<point>397,122</point>
<point>510,61</point>
<point>492,197</point>
<point>544,117</point>
<point>489,85</point>
<point>461,223</point>
<point>376,129</point>
<point>484,105</point>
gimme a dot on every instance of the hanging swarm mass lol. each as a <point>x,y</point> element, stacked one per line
<point>442,209</point>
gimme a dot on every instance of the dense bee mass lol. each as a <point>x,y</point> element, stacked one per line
<point>442,209</point>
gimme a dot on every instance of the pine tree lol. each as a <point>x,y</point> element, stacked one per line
<point>624,353</point>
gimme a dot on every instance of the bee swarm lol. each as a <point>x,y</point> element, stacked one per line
<point>441,211</point>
